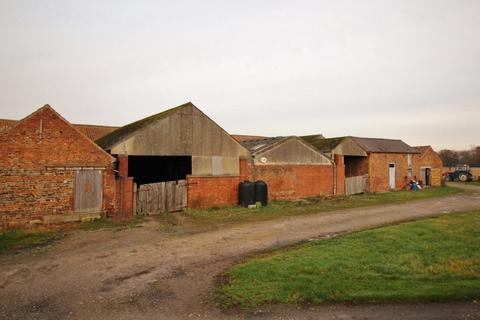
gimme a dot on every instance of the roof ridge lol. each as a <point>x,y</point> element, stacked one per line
<point>127,130</point>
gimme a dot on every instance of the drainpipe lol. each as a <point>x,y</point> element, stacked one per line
<point>332,158</point>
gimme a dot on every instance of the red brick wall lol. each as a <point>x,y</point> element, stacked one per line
<point>295,181</point>
<point>379,171</point>
<point>211,191</point>
<point>340,174</point>
<point>37,169</point>
<point>429,159</point>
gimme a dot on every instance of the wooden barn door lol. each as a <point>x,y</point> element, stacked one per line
<point>161,197</point>
<point>88,191</point>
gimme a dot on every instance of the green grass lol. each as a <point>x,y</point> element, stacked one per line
<point>312,205</point>
<point>434,259</point>
<point>19,239</point>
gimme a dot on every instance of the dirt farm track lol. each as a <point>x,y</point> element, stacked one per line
<point>141,273</point>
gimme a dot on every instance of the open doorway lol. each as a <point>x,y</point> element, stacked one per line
<point>152,169</point>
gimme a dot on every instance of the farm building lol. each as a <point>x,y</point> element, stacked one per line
<point>292,168</point>
<point>427,166</point>
<point>352,155</point>
<point>389,163</point>
<point>93,132</point>
<point>371,164</point>
<point>180,156</point>
<point>51,172</point>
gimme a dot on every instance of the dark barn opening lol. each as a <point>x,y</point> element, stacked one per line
<point>355,166</point>
<point>151,169</point>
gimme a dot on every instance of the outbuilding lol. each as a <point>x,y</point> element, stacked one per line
<point>179,156</point>
<point>427,166</point>
<point>371,164</point>
<point>51,172</point>
<point>292,168</point>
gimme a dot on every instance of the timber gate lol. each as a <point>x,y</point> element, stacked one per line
<point>355,185</point>
<point>161,197</point>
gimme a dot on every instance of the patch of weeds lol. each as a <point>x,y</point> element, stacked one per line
<point>21,239</point>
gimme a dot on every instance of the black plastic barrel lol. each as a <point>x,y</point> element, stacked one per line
<point>261,192</point>
<point>246,193</point>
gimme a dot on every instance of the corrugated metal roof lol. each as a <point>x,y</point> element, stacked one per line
<point>378,145</point>
<point>260,145</point>
<point>93,132</point>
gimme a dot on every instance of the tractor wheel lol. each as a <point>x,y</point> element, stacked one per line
<point>463,177</point>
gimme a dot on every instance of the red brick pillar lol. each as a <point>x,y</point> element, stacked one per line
<point>340,174</point>
<point>126,188</point>
<point>243,169</point>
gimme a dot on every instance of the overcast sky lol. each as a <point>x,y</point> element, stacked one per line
<point>394,69</point>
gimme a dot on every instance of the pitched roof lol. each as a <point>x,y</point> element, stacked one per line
<point>93,132</point>
<point>422,149</point>
<point>262,144</point>
<point>323,144</point>
<point>113,137</point>
<point>377,145</point>
<point>245,137</point>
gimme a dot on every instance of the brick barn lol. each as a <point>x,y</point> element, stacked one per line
<point>389,163</point>
<point>51,172</point>
<point>292,168</point>
<point>427,166</point>
<point>179,155</point>
<point>371,164</point>
<point>352,155</point>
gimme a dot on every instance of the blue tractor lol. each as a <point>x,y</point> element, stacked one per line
<point>462,173</point>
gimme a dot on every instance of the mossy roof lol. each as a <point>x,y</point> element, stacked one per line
<point>323,144</point>
<point>108,141</point>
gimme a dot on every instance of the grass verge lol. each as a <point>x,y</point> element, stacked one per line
<point>311,205</point>
<point>434,259</point>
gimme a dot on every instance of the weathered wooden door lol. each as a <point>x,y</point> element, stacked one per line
<point>88,191</point>
<point>355,185</point>
<point>161,197</point>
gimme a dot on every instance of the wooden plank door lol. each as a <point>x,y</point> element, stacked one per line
<point>181,195</point>
<point>88,196</point>
<point>161,197</point>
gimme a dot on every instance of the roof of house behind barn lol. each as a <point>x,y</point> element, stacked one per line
<point>245,137</point>
<point>422,149</point>
<point>377,145</point>
<point>261,144</point>
<point>93,132</point>
<point>113,137</point>
<point>323,144</point>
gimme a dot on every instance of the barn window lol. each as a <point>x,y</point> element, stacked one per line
<point>217,167</point>
<point>151,169</point>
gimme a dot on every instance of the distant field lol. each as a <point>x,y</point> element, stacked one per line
<point>434,259</point>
